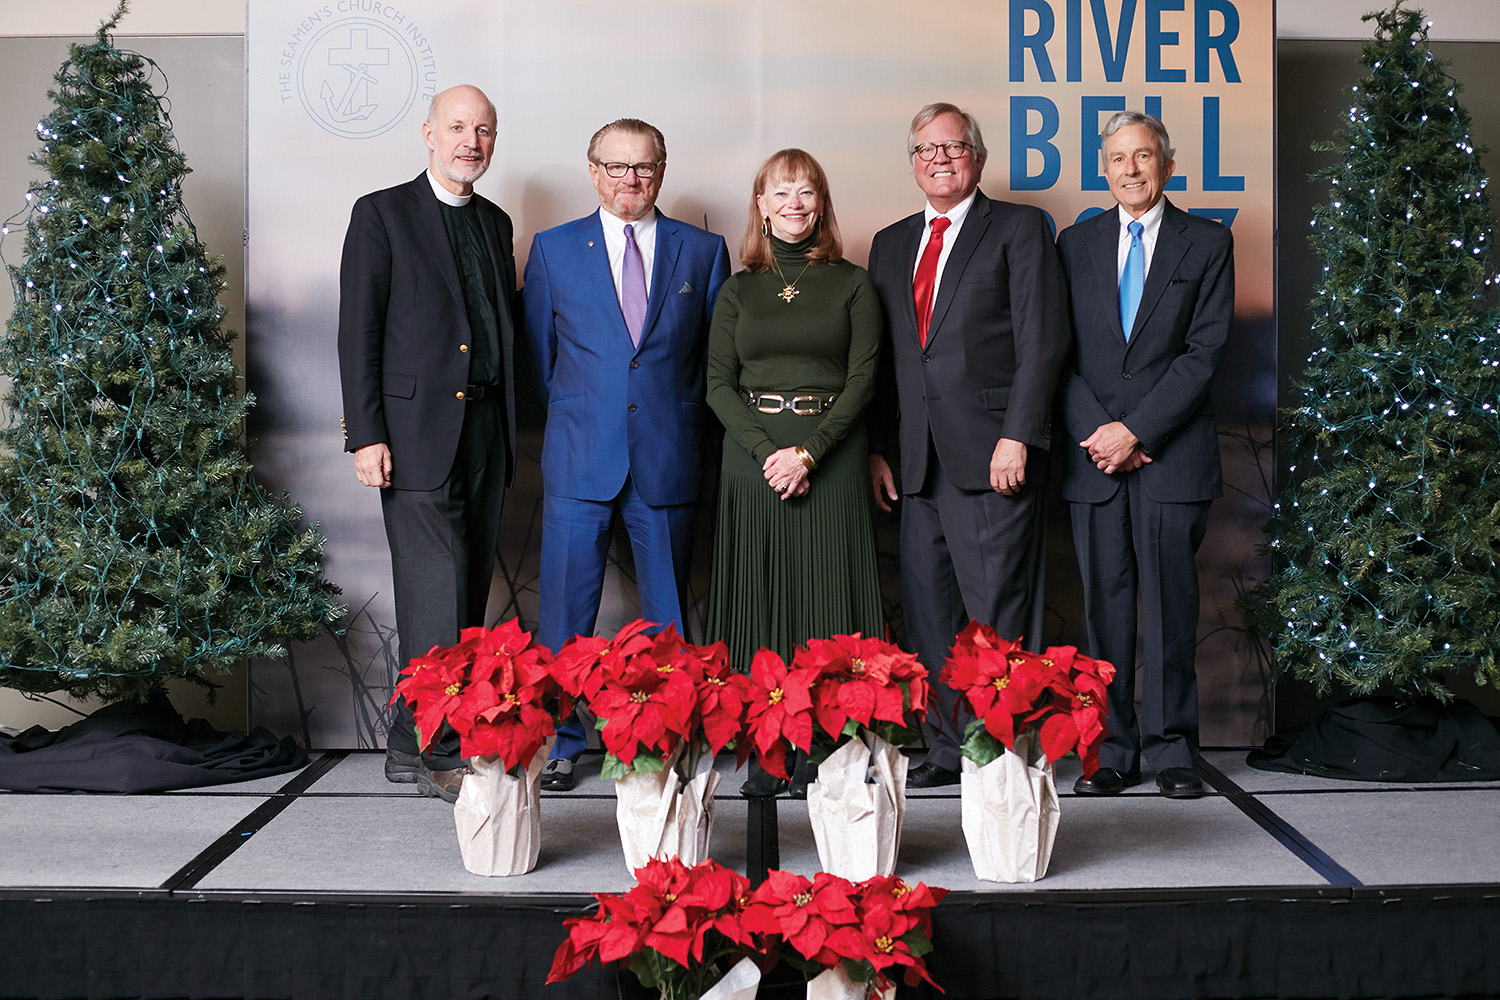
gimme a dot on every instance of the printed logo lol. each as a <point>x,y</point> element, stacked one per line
<point>359,76</point>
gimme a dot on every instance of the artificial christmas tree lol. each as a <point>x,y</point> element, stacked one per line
<point>135,544</point>
<point>1387,530</point>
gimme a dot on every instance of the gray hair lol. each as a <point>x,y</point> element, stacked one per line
<point>925,118</point>
<point>634,126</point>
<point>1120,119</point>
<point>433,105</point>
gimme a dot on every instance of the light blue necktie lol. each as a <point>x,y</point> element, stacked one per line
<point>1133,280</point>
<point>633,287</point>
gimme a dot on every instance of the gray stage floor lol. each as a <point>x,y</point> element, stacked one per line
<point>351,832</point>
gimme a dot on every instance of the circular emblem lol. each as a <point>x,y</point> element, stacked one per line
<point>357,78</point>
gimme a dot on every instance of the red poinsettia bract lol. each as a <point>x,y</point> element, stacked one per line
<point>495,687</point>
<point>1058,693</point>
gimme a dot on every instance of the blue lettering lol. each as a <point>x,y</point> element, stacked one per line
<point>1075,40</point>
<point>1090,141</point>
<point>1212,180</point>
<point>1089,213</point>
<point>1221,215</point>
<point>1020,41</point>
<point>1178,180</point>
<point>1157,39</point>
<point>1023,140</point>
<point>1113,57</point>
<point>1206,42</point>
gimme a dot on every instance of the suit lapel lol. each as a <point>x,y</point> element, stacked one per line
<point>1104,268</point>
<point>595,254</point>
<point>434,235</point>
<point>976,223</point>
<point>1171,247</point>
<point>663,268</point>
<point>905,262</point>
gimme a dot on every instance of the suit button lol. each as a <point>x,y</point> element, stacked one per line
<point>463,348</point>
<point>458,395</point>
<point>925,359</point>
<point>635,364</point>
<point>1126,376</point>
<point>631,407</point>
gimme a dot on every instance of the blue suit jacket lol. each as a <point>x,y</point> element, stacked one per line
<point>1157,384</point>
<point>613,409</point>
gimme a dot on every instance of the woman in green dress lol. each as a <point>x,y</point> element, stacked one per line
<point>792,354</point>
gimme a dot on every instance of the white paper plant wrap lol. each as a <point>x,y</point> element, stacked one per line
<point>668,812</point>
<point>1010,813</point>
<point>498,816</point>
<point>856,807</point>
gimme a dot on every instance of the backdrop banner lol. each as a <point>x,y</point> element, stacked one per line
<point>337,95</point>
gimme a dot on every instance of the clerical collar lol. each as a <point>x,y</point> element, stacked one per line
<point>444,195</point>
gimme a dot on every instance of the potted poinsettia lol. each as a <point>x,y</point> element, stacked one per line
<point>664,708</point>
<point>495,687</point>
<point>851,701</point>
<point>848,940</point>
<point>1031,710</point>
<point>679,931</point>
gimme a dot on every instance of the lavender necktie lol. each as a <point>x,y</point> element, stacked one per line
<point>633,287</point>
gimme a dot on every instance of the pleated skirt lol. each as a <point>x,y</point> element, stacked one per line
<point>785,571</point>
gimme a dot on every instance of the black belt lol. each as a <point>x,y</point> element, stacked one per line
<point>775,402</point>
<point>479,393</point>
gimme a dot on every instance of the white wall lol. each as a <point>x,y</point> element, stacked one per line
<point>1455,20</point>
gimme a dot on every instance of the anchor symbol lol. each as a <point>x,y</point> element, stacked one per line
<point>354,103</point>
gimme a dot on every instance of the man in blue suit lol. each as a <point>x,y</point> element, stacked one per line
<point>617,306</point>
<point>1153,294</point>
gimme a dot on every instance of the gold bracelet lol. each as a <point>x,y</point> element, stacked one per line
<point>805,458</point>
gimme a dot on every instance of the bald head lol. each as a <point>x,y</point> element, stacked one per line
<point>460,137</point>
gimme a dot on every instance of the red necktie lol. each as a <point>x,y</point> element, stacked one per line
<point>922,285</point>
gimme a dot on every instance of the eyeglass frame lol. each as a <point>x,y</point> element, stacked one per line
<point>964,149</point>
<point>634,168</point>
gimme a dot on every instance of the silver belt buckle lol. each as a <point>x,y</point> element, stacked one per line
<point>761,403</point>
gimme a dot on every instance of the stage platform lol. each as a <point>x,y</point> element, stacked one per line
<point>333,883</point>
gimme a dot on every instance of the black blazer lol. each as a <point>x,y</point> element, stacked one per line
<point>1157,384</point>
<point>404,330</point>
<point>995,346</point>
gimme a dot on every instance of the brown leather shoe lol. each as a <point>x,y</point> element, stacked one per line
<point>443,784</point>
<point>402,768</point>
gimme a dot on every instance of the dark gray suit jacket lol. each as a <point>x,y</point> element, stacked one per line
<point>1157,384</point>
<point>404,338</point>
<point>995,346</point>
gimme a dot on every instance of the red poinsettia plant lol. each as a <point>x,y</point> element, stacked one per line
<point>871,928</point>
<point>1058,695</point>
<point>652,693</point>
<point>678,929</point>
<point>495,687</point>
<point>681,927</point>
<point>833,689</point>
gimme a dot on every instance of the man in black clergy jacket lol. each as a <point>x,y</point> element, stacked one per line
<point>1153,294</point>
<point>426,305</point>
<point>976,335</point>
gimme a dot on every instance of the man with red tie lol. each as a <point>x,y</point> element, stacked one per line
<point>976,333</point>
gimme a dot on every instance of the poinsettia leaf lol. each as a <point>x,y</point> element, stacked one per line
<point>614,768</point>
<point>918,942</point>
<point>979,746</point>
<point>646,764</point>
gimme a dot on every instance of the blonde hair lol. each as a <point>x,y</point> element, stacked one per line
<point>790,164</point>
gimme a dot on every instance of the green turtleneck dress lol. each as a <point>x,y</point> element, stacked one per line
<point>788,570</point>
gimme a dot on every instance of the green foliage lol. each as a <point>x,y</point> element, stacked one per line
<point>135,544</point>
<point>1385,539</point>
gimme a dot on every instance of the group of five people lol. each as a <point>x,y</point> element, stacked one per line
<point>933,378</point>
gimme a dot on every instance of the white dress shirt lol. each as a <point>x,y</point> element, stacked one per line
<point>955,216</point>
<point>614,245</point>
<point>1150,228</point>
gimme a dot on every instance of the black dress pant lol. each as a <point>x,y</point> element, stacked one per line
<point>442,560</point>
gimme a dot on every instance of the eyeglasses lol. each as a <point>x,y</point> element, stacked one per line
<point>954,149</point>
<point>644,171</point>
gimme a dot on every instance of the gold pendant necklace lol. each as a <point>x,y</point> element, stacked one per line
<point>791,291</point>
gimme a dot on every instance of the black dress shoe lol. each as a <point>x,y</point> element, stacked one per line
<point>402,768</point>
<point>1105,781</point>
<point>1179,783</point>
<point>557,776</point>
<point>929,775</point>
<point>762,784</point>
<point>804,774</point>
